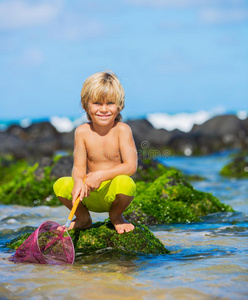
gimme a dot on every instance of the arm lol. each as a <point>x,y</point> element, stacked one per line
<point>79,165</point>
<point>129,160</point>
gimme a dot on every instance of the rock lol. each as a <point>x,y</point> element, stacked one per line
<point>102,238</point>
<point>37,140</point>
<point>43,162</point>
<point>41,130</point>
<point>195,144</point>
<point>30,187</point>
<point>18,131</point>
<point>170,199</point>
<point>146,136</point>
<point>63,167</point>
<point>10,144</point>
<point>217,134</point>
<point>229,127</point>
<point>237,168</point>
<point>44,146</point>
<point>148,170</point>
<point>43,139</point>
<point>66,141</point>
<point>227,131</point>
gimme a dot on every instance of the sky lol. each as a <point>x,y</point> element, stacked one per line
<point>171,56</point>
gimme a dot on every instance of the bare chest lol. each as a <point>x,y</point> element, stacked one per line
<point>103,149</point>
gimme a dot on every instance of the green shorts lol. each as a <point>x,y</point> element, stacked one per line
<point>101,199</point>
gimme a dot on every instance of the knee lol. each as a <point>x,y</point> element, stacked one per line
<point>63,187</point>
<point>124,179</point>
<point>126,182</point>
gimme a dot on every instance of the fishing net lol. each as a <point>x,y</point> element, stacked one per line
<point>49,244</point>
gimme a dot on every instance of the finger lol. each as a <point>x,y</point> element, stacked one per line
<point>81,195</point>
<point>74,197</point>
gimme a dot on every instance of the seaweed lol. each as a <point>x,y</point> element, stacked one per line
<point>237,168</point>
<point>171,199</point>
<point>102,235</point>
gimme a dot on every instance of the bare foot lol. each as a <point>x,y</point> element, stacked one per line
<point>80,224</point>
<point>121,225</point>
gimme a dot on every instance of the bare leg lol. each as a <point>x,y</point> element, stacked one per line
<point>118,206</point>
<point>83,219</point>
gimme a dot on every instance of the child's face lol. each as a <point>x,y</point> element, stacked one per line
<point>102,113</point>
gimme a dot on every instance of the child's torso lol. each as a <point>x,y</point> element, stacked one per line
<point>103,151</point>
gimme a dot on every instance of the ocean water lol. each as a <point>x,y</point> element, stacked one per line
<point>208,260</point>
<point>183,121</point>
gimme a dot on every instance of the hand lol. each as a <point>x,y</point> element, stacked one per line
<point>80,190</point>
<point>93,180</point>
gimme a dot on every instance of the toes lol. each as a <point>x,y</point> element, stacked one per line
<point>124,228</point>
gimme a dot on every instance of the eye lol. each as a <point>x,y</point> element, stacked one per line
<point>96,103</point>
<point>110,103</point>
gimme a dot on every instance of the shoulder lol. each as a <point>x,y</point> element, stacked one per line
<point>123,127</point>
<point>124,130</point>
<point>82,129</point>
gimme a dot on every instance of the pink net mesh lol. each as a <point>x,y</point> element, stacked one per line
<point>49,244</point>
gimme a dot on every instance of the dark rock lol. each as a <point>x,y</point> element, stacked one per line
<point>43,146</point>
<point>10,144</point>
<point>63,167</point>
<point>17,131</point>
<point>41,130</point>
<point>148,170</point>
<point>217,134</point>
<point>43,162</point>
<point>228,128</point>
<point>146,136</point>
<point>37,140</point>
<point>195,144</point>
<point>66,140</point>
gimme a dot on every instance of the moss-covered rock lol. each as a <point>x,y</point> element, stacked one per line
<point>167,198</point>
<point>237,168</point>
<point>149,170</point>
<point>23,185</point>
<point>10,168</point>
<point>170,199</point>
<point>102,235</point>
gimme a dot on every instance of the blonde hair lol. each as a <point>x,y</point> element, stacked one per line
<point>101,87</point>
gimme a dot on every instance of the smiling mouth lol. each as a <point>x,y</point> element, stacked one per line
<point>103,116</point>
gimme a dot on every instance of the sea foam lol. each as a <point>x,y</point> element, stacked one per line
<point>185,121</point>
<point>181,121</point>
<point>65,124</point>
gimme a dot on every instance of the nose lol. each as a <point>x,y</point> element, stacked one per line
<point>104,107</point>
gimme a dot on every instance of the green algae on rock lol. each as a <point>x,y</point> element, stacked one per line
<point>24,188</point>
<point>102,235</point>
<point>170,199</point>
<point>149,170</point>
<point>237,168</point>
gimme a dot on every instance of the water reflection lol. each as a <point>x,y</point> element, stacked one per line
<point>208,260</point>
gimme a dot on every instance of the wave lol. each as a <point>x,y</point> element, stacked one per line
<point>181,120</point>
<point>185,121</point>
<point>65,124</point>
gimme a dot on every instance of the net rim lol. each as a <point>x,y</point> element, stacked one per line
<point>58,225</point>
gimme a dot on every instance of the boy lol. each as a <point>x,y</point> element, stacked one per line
<point>104,157</point>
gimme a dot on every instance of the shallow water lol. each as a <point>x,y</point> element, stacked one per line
<point>209,259</point>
